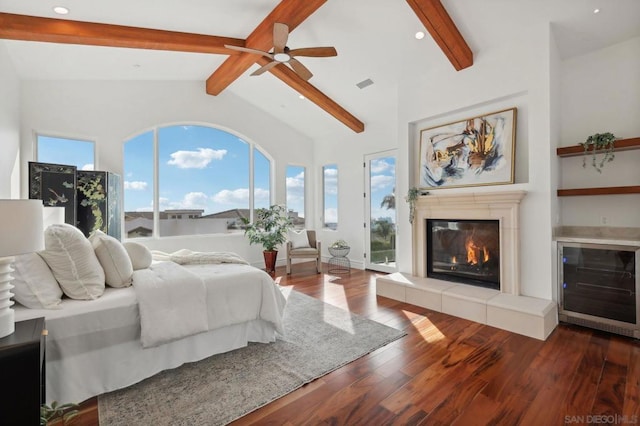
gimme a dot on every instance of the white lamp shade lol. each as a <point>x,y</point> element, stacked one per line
<point>21,227</point>
<point>53,216</point>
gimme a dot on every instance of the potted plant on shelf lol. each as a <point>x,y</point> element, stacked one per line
<point>269,229</point>
<point>599,142</point>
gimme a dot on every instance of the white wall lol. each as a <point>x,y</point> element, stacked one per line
<point>110,112</point>
<point>9,126</point>
<point>601,93</point>
<point>513,73</point>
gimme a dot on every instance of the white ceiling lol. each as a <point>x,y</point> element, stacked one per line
<point>374,39</point>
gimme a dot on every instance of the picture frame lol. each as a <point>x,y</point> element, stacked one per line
<point>474,151</point>
<point>55,185</point>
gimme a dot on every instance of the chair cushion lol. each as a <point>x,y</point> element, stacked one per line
<point>305,251</point>
<point>298,239</point>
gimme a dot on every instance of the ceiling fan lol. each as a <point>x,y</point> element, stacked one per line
<point>281,54</point>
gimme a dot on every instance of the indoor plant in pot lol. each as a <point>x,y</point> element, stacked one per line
<point>269,229</point>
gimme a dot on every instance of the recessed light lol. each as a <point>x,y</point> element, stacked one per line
<point>596,10</point>
<point>301,96</point>
<point>419,35</point>
<point>61,10</point>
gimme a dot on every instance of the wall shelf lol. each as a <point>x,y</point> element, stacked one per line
<point>619,145</point>
<point>576,150</point>
<point>609,190</point>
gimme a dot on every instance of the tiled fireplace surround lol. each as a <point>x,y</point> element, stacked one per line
<point>504,308</point>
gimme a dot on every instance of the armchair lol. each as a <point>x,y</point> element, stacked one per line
<point>301,250</point>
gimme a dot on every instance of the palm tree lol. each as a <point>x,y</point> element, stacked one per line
<point>389,200</point>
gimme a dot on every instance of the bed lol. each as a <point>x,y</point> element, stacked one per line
<point>94,346</point>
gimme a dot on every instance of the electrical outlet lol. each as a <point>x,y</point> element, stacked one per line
<point>604,220</point>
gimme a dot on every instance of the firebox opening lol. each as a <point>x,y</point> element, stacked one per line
<point>465,251</point>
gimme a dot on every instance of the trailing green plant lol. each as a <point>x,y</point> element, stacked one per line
<point>66,412</point>
<point>599,143</point>
<point>411,198</point>
<point>269,227</point>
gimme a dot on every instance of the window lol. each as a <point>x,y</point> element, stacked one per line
<point>73,152</point>
<point>295,195</point>
<point>330,185</point>
<point>203,181</point>
<point>261,180</point>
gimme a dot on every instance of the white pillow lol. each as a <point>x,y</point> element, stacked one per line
<point>298,239</point>
<point>73,262</point>
<point>35,285</point>
<point>114,259</point>
<point>140,255</point>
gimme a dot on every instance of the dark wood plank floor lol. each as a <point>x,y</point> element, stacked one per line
<point>452,371</point>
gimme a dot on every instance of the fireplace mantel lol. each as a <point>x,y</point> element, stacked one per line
<point>503,206</point>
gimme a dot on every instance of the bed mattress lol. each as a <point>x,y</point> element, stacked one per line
<point>93,346</point>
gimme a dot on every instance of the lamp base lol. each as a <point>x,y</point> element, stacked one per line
<point>7,316</point>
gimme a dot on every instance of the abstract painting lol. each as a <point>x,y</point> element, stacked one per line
<point>471,152</point>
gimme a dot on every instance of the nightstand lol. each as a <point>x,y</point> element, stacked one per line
<point>22,369</point>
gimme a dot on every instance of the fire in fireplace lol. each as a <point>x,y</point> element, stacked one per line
<point>465,251</point>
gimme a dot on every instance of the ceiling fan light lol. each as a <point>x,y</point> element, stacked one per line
<point>281,57</point>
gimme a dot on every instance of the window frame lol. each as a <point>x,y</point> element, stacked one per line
<point>324,196</point>
<point>155,234</point>
<point>55,135</point>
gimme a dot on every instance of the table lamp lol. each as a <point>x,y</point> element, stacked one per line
<point>20,233</point>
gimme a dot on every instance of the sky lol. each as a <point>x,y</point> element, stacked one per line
<point>207,168</point>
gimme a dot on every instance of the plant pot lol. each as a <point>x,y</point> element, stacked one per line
<point>270,260</point>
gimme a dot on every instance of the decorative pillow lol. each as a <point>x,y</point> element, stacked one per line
<point>35,285</point>
<point>73,262</point>
<point>114,259</point>
<point>140,255</point>
<point>298,239</point>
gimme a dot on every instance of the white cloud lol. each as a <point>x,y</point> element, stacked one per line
<point>87,167</point>
<point>135,185</point>
<point>196,159</point>
<point>379,166</point>
<point>235,196</point>
<point>331,181</point>
<point>191,200</point>
<point>330,215</point>
<point>382,182</point>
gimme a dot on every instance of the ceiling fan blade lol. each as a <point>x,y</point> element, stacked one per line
<point>264,68</point>
<point>314,51</point>
<point>300,69</point>
<point>280,36</point>
<point>249,50</point>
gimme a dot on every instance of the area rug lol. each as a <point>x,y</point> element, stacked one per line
<point>319,338</point>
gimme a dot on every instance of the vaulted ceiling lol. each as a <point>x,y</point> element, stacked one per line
<point>374,40</point>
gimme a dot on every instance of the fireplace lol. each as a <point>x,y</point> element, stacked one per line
<point>502,207</point>
<point>464,250</point>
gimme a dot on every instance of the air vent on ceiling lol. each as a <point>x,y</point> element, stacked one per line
<point>365,83</point>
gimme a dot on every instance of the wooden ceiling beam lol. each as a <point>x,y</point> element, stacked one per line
<point>290,12</point>
<point>31,28</point>
<point>312,93</point>
<point>437,21</point>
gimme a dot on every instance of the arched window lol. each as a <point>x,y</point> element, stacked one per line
<point>202,179</point>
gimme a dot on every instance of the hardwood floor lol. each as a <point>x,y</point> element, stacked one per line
<point>449,370</point>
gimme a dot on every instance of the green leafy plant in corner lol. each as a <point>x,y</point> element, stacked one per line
<point>599,143</point>
<point>55,411</point>
<point>269,227</point>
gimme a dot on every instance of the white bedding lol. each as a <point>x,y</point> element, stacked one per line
<point>94,346</point>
